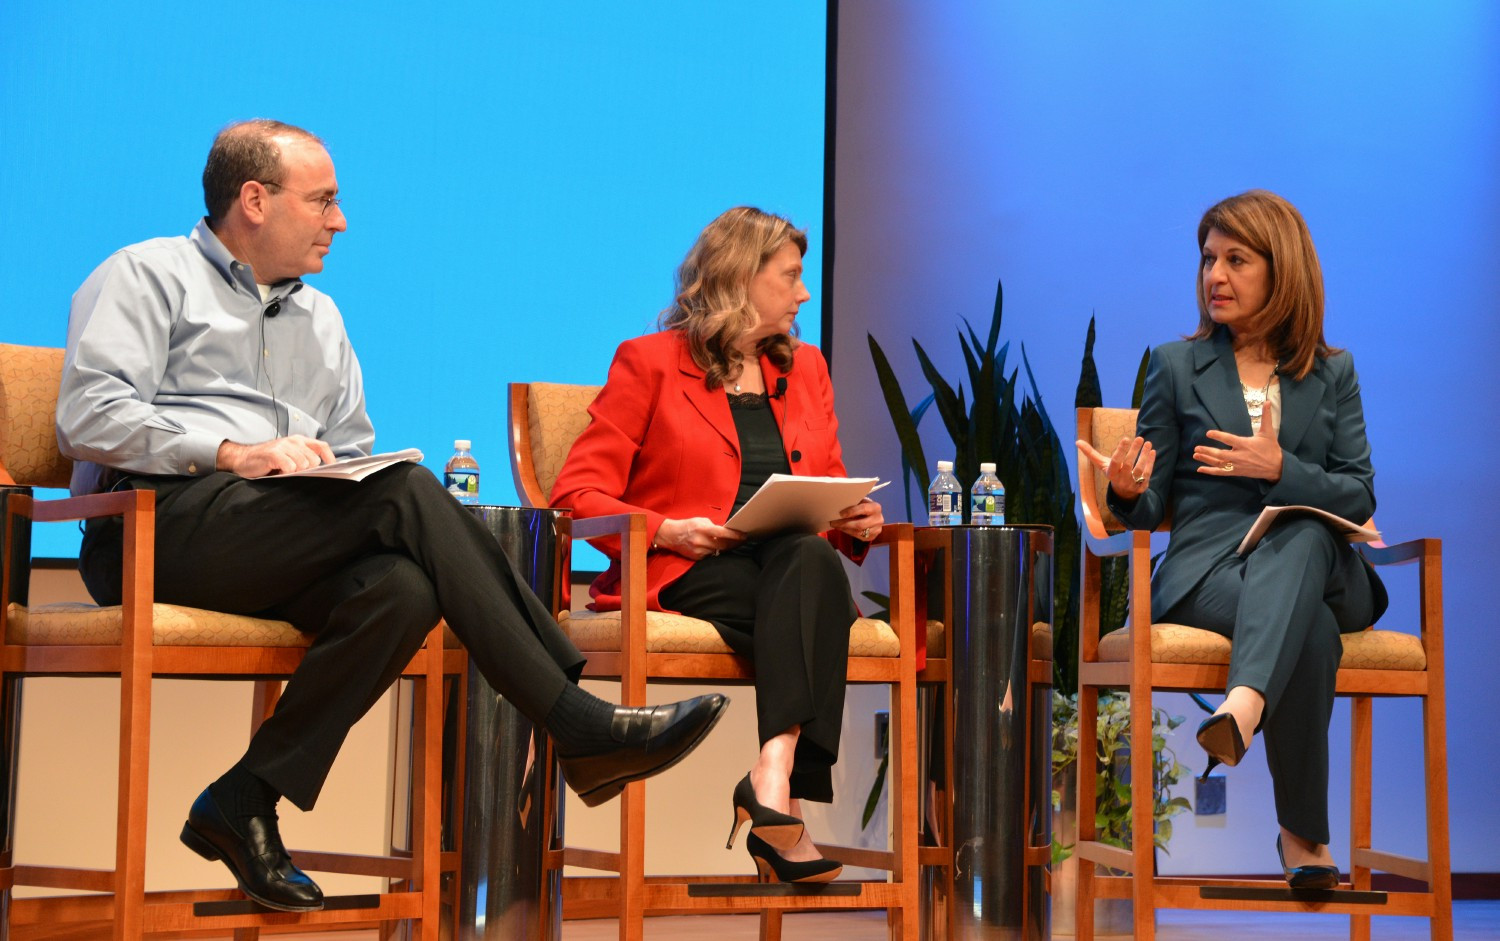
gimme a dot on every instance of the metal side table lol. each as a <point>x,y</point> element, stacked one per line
<point>995,735</point>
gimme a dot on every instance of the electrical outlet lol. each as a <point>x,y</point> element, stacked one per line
<point>1210,797</point>
<point>882,733</point>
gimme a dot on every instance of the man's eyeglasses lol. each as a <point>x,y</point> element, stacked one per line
<point>328,202</point>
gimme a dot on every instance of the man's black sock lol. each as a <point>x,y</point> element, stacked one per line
<point>241,795</point>
<point>579,722</point>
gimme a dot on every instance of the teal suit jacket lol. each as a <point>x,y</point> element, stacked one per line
<point>1193,386</point>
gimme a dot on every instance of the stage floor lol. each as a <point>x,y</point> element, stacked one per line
<point>1472,921</point>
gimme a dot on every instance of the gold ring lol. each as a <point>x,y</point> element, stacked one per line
<point>1227,467</point>
<point>865,533</point>
<point>1138,478</point>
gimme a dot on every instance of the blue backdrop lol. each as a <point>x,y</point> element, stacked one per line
<point>1072,148</point>
<point>521,180</point>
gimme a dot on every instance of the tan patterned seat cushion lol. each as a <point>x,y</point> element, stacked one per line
<point>556,415</point>
<point>73,624</point>
<point>1177,643</point>
<point>29,377</point>
<point>677,633</point>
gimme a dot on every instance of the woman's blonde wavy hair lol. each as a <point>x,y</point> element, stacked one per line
<point>712,306</point>
<point>1292,320</point>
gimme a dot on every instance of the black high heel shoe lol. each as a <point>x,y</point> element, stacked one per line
<point>1307,877</point>
<point>781,829</point>
<point>1219,736</point>
<point>773,867</point>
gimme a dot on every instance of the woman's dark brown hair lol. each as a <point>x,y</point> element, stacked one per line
<point>1291,322</point>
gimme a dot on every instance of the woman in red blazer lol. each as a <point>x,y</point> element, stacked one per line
<point>691,421</point>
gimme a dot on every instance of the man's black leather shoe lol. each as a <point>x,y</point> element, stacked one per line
<point>651,740</point>
<point>257,857</point>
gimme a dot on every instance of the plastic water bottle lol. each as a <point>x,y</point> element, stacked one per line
<point>943,506</point>
<point>987,499</point>
<point>461,475</point>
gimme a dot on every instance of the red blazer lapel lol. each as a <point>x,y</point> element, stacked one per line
<point>713,405</point>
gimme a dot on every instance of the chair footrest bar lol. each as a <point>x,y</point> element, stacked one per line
<point>247,907</point>
<point>1287,894</point>
<point>1418,869</point>
<point>775,889</point>
<point>1105,854</point>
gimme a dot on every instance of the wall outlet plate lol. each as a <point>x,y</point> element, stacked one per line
<point>1210,797</point>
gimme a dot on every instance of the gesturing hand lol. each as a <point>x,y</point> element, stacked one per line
<point>1128,469</point>
<point>277,456</point>
<point>1257,456</point>
<point>696,537</point>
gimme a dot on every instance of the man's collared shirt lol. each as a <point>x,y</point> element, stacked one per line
<point>171,352</point>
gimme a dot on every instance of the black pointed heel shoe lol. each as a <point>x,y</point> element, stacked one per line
<point>1307,877</point>
<point>1219,736</point>
<point>773,867</point>
<point>773,826</point>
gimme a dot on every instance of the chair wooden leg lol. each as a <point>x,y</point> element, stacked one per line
<point>1143,821</point>
<point>1088,744</point>
<point>1435,723</point>
<point>10,752</point>
<point>263,702</point>
<point>632,861</point>
<point>1361,760</point>
<point>130,832</point>
<point>427,796</point>
<point>770,925</point>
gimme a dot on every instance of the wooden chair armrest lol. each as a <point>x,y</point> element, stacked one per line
<point>93,506</point>
<point>138,563</point>
<point>618,524</point>
<point>1401,553</point>
<point>1118,544</point>
<point>892,533</point>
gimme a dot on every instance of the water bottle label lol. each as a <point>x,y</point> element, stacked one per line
<point>944,508</point>
<point>463,484</point>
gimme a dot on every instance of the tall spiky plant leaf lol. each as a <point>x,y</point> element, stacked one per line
<point>904,421</point>
<point>1140,380</point>
<point>995,315</point>
<point>949,403</point>
<point>1089,395</point>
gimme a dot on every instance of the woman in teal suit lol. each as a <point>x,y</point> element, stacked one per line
<point>1255,410</point>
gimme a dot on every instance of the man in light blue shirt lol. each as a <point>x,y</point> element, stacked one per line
<point>203,367</point>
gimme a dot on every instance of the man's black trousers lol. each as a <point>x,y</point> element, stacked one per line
<point>366,567</point>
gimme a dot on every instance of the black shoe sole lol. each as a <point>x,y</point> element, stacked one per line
<point>1302,881</point>
<point>611,789</point>
<point>1220,738</point>
<point>201,845</point>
